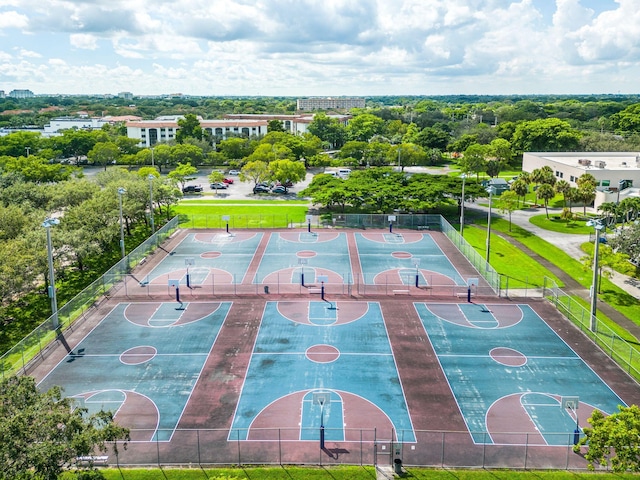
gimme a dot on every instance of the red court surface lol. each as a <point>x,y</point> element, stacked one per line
<point>442,437</point>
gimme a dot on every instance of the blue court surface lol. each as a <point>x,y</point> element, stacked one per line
<point>380,253</point>
<point>204,253</point>
<point>286,252</point>
<point>505,365</point>
<point>354,357</point>
<point>148,351</point>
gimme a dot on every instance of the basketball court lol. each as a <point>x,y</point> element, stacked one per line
<point>330,365</point>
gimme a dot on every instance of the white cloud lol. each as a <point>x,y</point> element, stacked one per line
<point>10,20</point>
<point>84,41</point>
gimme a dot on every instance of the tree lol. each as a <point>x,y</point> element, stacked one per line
<point>189,126</point>
<point>285,171</point>
<point>545,135</point>
<point>562,187</point>
<point>520,187</point>
<point>546,193</point>
<point>256,171</point>
<point>216,177</point>
<point>501,150</point>
<point>626,241</point>
<point>328,130</point>
<point>508,202</point>
<point>40,433</point>
<point>362,127</point>
<point>473,159</point>
<point>104,153</point>
<point>613,440</point>
<point>275,125</point>
<point>182,173</point>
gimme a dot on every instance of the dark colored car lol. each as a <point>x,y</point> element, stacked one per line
<point>192,189</point>
<point>278,189</point>
<point>260,189</point>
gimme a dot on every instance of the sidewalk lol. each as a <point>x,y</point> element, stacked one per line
<point>571,245</point>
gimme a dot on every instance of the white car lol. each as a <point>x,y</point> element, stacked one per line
<point>234,172</point>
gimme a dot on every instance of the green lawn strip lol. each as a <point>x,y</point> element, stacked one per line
<point>556,224</point>
<point>286,472</point>
<point>209,201</point>
<point>509,260</point>
<point>241,216</point>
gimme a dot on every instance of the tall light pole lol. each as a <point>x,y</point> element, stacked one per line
<point>463,177</point>
<point>621,185</point>
<point>153,162</point>
<point>121,191</point>
<point>48,223</point>
<point>491,191</point>
<point>151,177</point>
<point>27,149</point>
<point>598,226</point>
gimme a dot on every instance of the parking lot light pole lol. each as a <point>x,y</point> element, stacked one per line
<point>463,177</point>
<point>121,191</point>
<point>491,191</point>
<point>48,223</point>
<point>598,226</point>
<point>151,178</point>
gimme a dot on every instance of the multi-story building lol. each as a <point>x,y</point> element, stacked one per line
<point>295,124</point>
<point>340,103</point>
<point>21,94</point>
<point>163,129</point>
<point>617,174</point>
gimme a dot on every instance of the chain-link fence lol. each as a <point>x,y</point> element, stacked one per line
<point>42,338</point>
<point>278,446</point>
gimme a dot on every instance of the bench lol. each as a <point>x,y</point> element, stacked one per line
<point>423,227</point>
<point>401,292</point>
<point>89,460</point>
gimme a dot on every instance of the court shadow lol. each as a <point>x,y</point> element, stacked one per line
<point>335,452</point>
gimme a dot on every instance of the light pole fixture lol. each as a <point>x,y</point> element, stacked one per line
<point>151,178</point>
<point>48,223</point>
<point>491,190</point>
<point>463,177</point>
<point>598,226</point>
<point>27,149</point>
<point>121,191</point>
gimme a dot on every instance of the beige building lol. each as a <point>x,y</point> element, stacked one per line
<point>617,174</point>
<point>295,124</point>
<point>151,132</point>
<point>339,103</point>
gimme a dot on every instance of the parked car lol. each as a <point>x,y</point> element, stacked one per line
<point>192,189</point>
<point>259,188</point>
<point>228,181</point>
<point>279,189</point>
<point>234,172</point>
<point>218,185</point>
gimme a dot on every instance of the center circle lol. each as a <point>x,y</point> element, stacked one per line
<point>401,255</point>
<point>210,254</point>
<point>306,253</point>
<point>322,353</point>
<point>138,355</point>
<point>508,356</point>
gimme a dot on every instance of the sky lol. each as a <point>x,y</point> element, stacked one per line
<point>306,48</point>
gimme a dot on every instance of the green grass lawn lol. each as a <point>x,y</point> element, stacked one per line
<point>556,224</point>
<point>509,261</point>
<point>242,213</point>
<point>286,472</point>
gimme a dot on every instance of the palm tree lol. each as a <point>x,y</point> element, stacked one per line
<point>629,208</point>
<point>546,193</point>
<point>572,195</point>
<point>610,210</point>
<point>562,187</point>
<point>521,188</point>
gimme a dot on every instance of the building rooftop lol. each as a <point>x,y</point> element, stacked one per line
<point>593,160</point>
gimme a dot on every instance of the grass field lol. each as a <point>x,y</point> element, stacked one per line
<point>242,213</point>
<point>343,473</point>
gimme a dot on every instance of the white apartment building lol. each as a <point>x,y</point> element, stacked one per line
<point>295,124</point>
<point>339,103</point>
<point>617,174</point>
<point>151,132</point>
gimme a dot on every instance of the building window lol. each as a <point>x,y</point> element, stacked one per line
<point>572,178</point>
